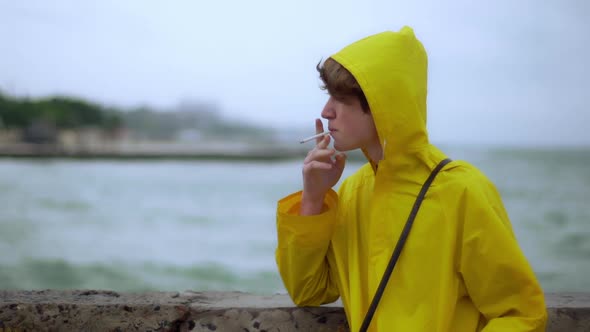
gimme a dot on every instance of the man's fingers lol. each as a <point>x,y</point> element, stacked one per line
<point>314,164</point>
<point>319,128</point>
<point>324,142</point>
<point>317,154</point>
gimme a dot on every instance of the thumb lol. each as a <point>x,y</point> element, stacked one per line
<point>340,161</point>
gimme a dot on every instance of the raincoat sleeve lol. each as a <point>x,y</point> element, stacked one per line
<point>497,276</point>
<point>303,250</point>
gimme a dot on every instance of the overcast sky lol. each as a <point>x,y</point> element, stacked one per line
<point>505,72</point>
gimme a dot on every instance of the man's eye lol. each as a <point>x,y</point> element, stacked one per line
<point>343,100</point>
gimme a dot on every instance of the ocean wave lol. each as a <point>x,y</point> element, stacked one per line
<point>60,274</point>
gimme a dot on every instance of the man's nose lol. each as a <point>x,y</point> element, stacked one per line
<point>328,111</point>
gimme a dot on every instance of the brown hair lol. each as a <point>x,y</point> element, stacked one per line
<point>340,83</point>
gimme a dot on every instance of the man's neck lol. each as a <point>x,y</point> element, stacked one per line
<point>375,152</point>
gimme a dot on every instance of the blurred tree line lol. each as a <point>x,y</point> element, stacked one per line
<point>62,112</point>
<point>191,121</point>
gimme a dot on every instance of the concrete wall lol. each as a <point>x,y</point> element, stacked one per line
<point>89,310</point>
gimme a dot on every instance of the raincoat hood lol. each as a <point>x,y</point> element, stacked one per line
<point>391,68</point>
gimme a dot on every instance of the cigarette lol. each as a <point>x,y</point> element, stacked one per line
<point>314,137</point>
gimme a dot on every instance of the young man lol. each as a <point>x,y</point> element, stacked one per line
<point>461,268</point>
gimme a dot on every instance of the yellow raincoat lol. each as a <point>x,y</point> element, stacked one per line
<point>461,268</point>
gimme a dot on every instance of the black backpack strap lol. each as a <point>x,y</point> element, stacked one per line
<point>400,244</point>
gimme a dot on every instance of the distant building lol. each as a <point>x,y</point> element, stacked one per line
<point>189,135</point>
<point>40,132</point>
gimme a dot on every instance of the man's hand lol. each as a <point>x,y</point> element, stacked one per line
<point>320,173</point>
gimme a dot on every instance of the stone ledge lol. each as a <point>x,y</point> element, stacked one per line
<point>92,310</point>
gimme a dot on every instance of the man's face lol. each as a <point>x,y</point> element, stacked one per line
<point>351,127</point>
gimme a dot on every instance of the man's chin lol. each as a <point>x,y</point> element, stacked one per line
<point>343,147</point>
